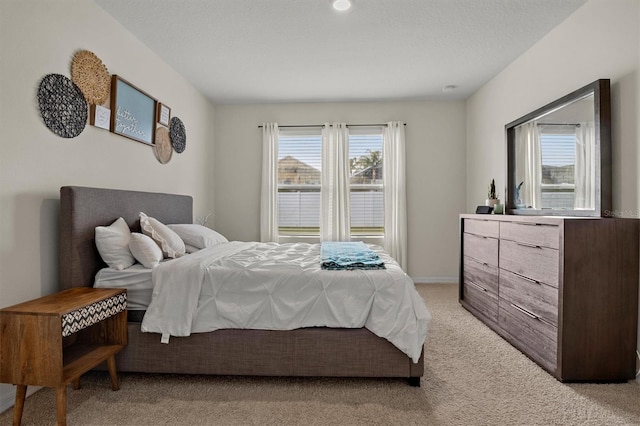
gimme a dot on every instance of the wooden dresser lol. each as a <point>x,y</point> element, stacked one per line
<point>564,291</point>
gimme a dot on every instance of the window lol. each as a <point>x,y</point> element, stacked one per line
<point>299,186</point>
<point>558,158</point>
<point>367,197</point>
<point>299,166</point>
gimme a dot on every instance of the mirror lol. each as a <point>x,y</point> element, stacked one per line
<point>559,156</point>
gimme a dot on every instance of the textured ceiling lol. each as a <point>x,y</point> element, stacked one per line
<point>241,51</point>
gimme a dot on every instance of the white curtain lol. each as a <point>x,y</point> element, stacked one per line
<point>269,193</point>
<point>395,193</point>
<point>528,154</point>
<point>335,220</point>
<point>585,168</point>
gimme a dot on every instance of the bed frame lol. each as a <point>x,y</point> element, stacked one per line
<point>318,351</point>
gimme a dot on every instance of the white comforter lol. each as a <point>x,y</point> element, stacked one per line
<point>272,286</point>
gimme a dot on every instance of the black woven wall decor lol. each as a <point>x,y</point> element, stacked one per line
<point>62,105</point>
<point>178,134</point>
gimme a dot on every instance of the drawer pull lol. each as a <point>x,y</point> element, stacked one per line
<point>478,286</point>
<point>524,311</point>
<point>528,245</point>
<point>484,237</point>
<point>529,279</point>
<point>477,261</point>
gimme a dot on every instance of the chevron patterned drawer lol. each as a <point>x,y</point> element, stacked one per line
<point>86,316</point>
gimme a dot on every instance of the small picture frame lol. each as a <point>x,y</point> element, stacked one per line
<point>100,116</point>
<point>164,114</point>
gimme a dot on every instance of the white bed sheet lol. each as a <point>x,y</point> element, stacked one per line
<point>249,285</point>
<point>136,279</point>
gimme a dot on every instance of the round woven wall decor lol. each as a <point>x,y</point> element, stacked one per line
<point>178,134</point>
<point>91,75</point>
<point>162,146</point>
<point>62,105</point>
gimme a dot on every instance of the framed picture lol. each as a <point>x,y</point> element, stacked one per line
<point>164,114</point>
<point>100,116</point>
<point>133,112</point>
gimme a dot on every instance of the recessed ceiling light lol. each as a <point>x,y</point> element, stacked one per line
<point>449,88</point>
<point>341,5</point>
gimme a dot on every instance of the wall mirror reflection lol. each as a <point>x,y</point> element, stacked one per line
<point>558,157</point>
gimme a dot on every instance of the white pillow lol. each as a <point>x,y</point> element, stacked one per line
<point>198,236</point>
<point>145,250</point>
<point>170,243</point>
<point>191,249</point>
<point>113,244</point>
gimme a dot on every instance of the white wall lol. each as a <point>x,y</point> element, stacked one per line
<point>600,40</point>
<point>39,37</point>
<point>637,159</point>
<point>435,137</point>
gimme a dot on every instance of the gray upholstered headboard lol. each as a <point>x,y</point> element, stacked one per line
<point>82,209</point>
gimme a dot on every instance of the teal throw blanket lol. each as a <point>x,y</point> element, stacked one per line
<point>348,256</point>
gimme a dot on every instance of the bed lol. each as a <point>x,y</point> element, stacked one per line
<point>311,351</point>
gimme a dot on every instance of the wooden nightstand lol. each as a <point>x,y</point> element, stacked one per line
<point>53,340</point>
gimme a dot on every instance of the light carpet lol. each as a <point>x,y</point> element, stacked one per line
<point>472,377</point>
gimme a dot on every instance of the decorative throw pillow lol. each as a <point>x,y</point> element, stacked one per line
<point>198,236</point>
<point>113,244</point>
<point>171,244</point>
<point>145,250</point>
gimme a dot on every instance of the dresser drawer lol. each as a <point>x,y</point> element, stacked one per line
<point>484,249</point>
<point>539,299</point>
<point>538,263</point>
<point>534,234</point>
<point>481,299</point>
<point>534,337</point>
<point>480,273</point>
<point>487,228</point>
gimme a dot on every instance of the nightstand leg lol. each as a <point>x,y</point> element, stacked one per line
<point>61,404</point>
<point>111,364</point>
<point>21,393</point>
<point>76,384</point>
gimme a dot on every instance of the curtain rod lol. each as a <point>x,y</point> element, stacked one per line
<point>322,125</point>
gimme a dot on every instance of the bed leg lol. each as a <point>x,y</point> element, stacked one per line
<point>414,382</point>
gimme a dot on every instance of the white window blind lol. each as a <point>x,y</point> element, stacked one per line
<point>558,157</point>
<point>367,197</point>
<point>299,166</point>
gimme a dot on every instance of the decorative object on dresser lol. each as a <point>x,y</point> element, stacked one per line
<point>53,340</point>
<point>562,290</point>
<point>492,199</point>
<point>484,210</point>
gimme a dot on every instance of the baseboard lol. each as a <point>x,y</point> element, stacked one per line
<point>435,280</point>
<point>7,401</point>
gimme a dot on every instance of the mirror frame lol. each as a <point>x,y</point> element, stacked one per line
<point>602,115</point>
